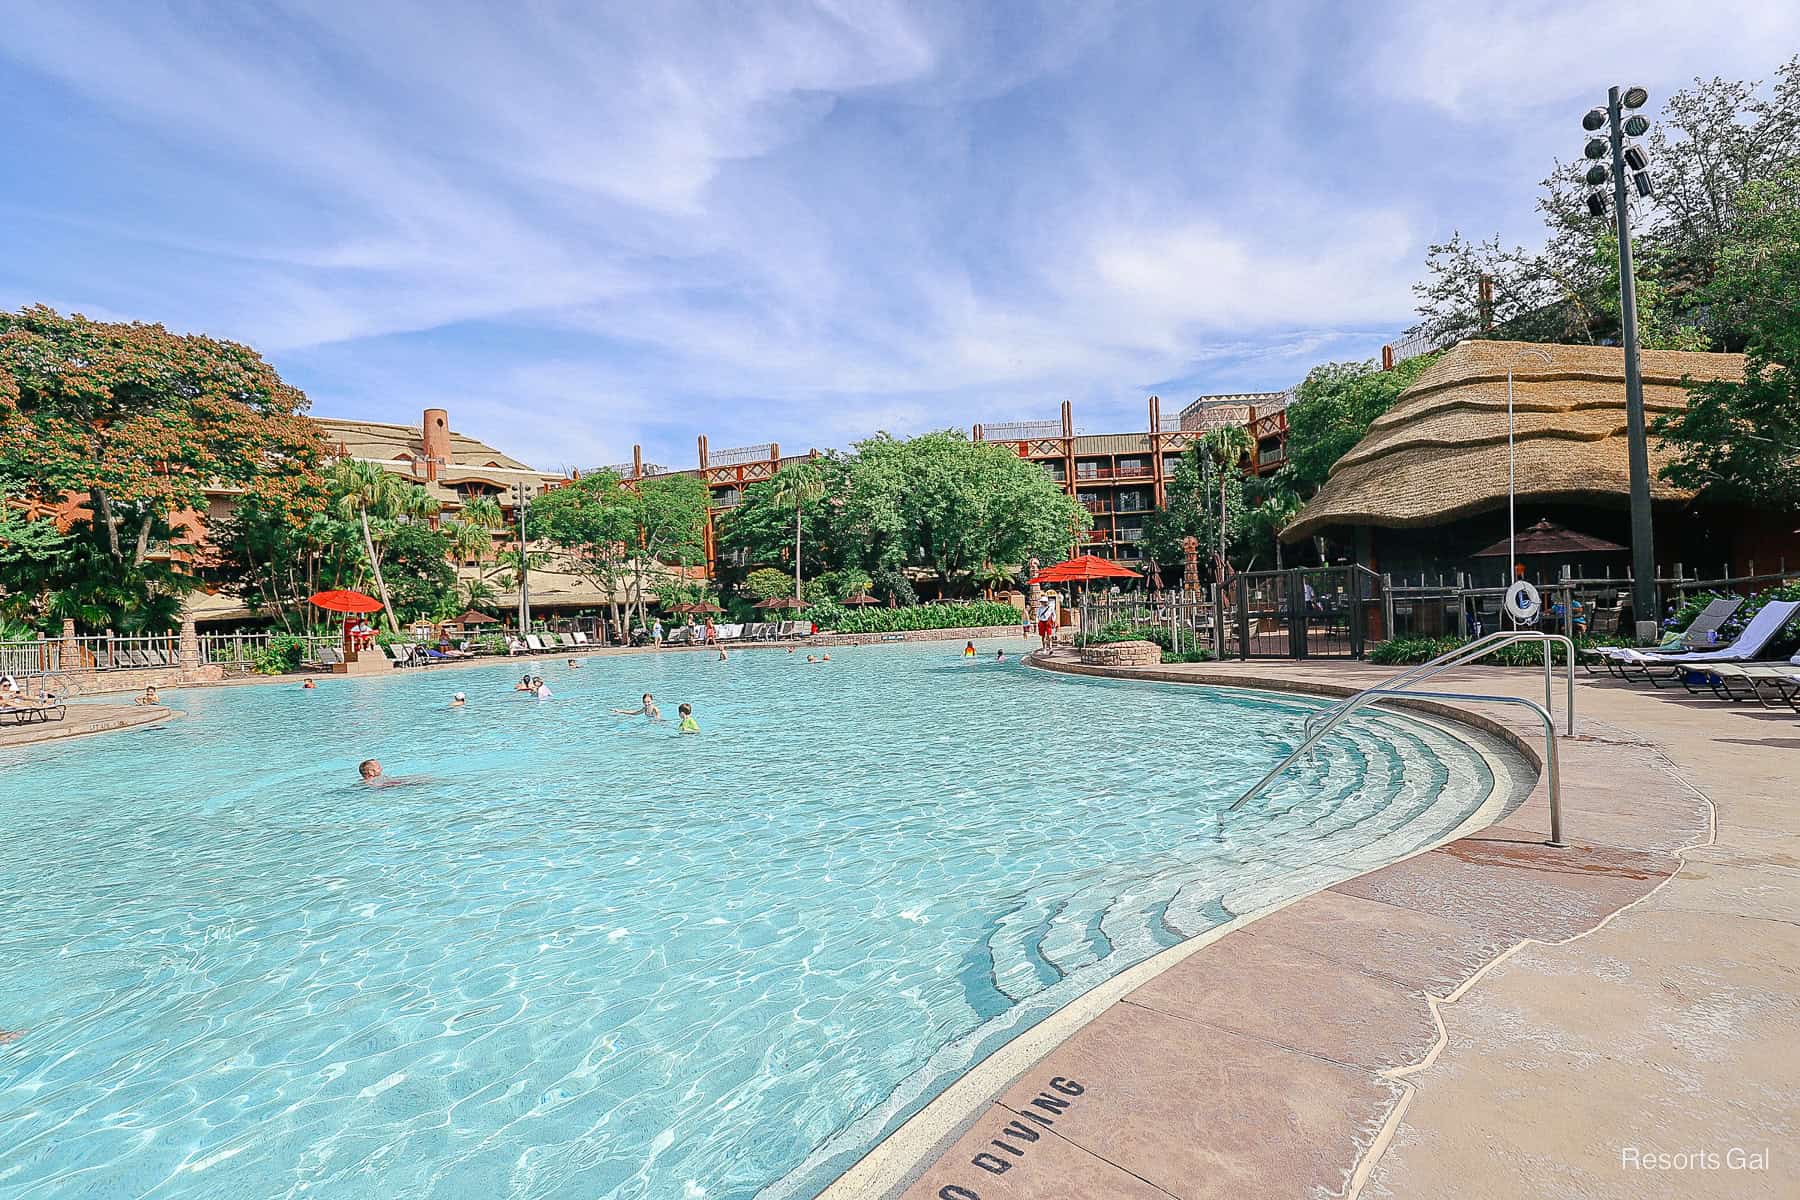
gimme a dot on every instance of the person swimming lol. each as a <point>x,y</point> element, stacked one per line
<point>646,709</point>
<point>688,724</point>
<point>308,686</point>
<point>573,665</point>
<point>370,771</point>
<point>149,696</point>
<point>525,685</point>
<point>969,650</point>
<point>999,656</point>
<point>721,654</point>
<point>539,688</point>
<point>458,700</point>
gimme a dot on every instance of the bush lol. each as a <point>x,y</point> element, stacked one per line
<point>888,584</point>
<point>493,643</point>
<point>922,616</point>
<point>766,583</point>
<point>281,655</point>
<point>1398,652</point>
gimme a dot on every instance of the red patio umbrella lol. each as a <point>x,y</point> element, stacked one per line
<point>345,601</point>
<point>704,607</point>
<point>861,598</point>
<point>1082,569</point>
<point>783,602</point>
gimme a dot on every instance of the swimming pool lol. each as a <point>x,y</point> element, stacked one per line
<point>584,956</point>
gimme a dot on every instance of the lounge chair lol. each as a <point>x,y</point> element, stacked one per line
<point>1701,634</point>
<point>1667,670</point>
<point>515,646</point>
<point>1747,681</point>
<point>581,639</point>
<point>536,644</point>
<point>24,711</point>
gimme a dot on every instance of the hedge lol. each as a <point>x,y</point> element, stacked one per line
<point>919,616</point>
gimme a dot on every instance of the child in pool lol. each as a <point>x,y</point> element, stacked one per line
<point>688,724</point>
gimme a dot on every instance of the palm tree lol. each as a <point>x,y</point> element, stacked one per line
<point>987,577</point>
<point>1275,513</point>
<point>799,486</point>
<point>1227,446</point>
<point>364,488</point>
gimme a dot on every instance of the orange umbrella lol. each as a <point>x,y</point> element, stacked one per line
<point>1083,569</point>
<point>345,601</point>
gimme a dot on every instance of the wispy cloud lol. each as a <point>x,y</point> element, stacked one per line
<point>579,229</point>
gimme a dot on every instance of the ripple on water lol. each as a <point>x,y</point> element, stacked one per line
<point>582,956</point>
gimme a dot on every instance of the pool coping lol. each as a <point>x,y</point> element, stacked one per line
<point>76,723</point>
<point>931,1136</point>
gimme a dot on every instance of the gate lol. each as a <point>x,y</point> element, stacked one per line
<point>1306,612</point>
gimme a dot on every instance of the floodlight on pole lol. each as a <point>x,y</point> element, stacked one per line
<point>1595,120</point>
<point>1597,148</point>
<point>1630,160</point>
<point>1596,175</point>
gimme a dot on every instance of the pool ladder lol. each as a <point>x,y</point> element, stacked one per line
<point>1322,722</point>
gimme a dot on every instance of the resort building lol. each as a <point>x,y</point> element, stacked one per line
<point>1120,478</point>
<point>1426,488</point>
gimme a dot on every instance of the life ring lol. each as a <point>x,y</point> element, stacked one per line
<point>1522,603</point>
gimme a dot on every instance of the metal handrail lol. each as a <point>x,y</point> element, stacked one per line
<point>1401,685</point>
<point>1471,651</point>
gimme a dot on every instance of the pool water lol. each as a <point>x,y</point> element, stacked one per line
<point>583,956</point>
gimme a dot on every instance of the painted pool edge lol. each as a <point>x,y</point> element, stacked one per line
<point>892,1163</point>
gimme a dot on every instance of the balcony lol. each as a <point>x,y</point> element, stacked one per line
<point>1097,507</point>
<point>1084,473</point>
<point>1129,535</point>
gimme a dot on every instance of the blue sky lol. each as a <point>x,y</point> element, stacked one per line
<point>583,226</point>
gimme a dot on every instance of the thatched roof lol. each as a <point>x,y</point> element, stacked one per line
<point>1440,453</point>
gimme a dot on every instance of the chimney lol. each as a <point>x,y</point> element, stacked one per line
<point>637,462</point>
<point>1155,415</point>
<point>1068,418</point>
<point>775,453</point>
<point>703,452</point>
<point>434,431</point>
<point>975,433</point>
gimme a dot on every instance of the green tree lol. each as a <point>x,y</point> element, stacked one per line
<point>136,425</point>
<point>1227,446</point>
<point>1332,409</point>
<point>943,502</point>
<point>1740,442</point>
<point>670,512</point>
<point>1192,509</point>
<point>361,490</point>
<point>795,487</point>
<point>592,522</point>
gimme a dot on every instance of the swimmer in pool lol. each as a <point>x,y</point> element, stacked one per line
<point>308,686</point>
<point>688,724</point>
<point>969,650</point>
<point>646,709</point>
<point>524,685</point>
<point>458,700</point>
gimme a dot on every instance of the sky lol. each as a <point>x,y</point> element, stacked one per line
<point>583,226</point>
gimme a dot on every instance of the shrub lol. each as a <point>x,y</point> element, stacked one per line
<point>766,583</point>
<point>493,643</point>
<point>281,655</point>
<point>1398,652</point>
<point>890,584</point>
<point>922,616</point>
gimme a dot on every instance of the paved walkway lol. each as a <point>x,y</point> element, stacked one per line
<point>1494,1018</point>
<point>83,719</point>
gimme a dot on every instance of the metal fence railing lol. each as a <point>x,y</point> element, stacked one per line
<point>36,657</point>
<point>740,454</point>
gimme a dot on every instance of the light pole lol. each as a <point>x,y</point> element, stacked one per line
<point>1628,158</point>
<point>524,565</point>
<point>1512,536</point>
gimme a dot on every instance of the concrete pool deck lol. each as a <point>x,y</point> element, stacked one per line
<point>1495,1017</point>
<point>79,720</point>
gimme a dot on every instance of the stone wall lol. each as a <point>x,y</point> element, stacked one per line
<point>130,679</point>
<point>1122,654</point>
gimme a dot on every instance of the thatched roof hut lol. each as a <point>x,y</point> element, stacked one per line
<point>1439,455</point>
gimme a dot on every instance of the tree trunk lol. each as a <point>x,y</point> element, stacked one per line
<point>375,566</point>
<point>143,542</point>
<point>103,512</point>
<point>797,595</point>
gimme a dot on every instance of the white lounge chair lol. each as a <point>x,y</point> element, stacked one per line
<point>1758,633</point>
<point>581,639</point>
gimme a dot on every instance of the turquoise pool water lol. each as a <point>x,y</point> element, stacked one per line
<point>582,956</point>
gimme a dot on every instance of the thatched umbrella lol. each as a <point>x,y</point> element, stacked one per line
<point>860,599</point>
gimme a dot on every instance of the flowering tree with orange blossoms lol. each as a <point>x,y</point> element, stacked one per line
<point>124,428</point>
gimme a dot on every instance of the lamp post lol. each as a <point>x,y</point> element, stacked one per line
<point>524,564</point>
<point>1628,158</point>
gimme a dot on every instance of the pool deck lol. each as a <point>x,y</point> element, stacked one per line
<point>83,719</point>
<point>1492,1018</point>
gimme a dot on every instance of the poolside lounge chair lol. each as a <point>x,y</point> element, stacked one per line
<point>24,711</point>
<point>515,646</point>
<point>1666,670</point>
<point>581,639</point>
<point>1699,635</point>
<point>536,644</point>
<point>1748,681</point>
